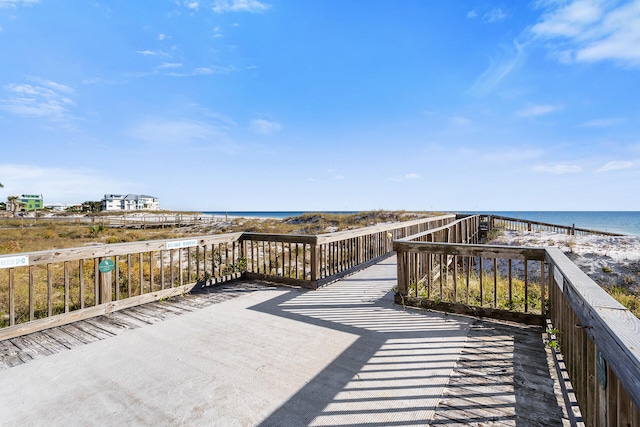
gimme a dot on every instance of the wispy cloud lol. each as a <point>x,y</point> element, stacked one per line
<point>407,177</point>
<point>534,110</point>
<point>46,99</point>
<point>194,5</point>
<point>252,6</point>
<point>559,169</point>
<point>203,71</point>
<point>602,123</point>
<point>170,65</point>
<point>265,127</point>
<point>499,69</point>
<point>494,15</point>
<point>146,52</point>
<point>176,132</point>
<point>592,30</point>
<point>16,3</point>
<point>614,166</point>
<point>162,36</point>
<point>460,121</point>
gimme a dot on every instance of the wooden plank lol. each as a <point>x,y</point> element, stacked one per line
<point>484,251</point>
<point>60,336</point>
<point>10,355</point>
<point>109,250</point>
<point>87,313</point>
<point>613,328</point>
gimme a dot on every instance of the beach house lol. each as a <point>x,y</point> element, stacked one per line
<point>129,202</point>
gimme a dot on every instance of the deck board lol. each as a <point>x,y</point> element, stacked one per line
<point>498,374</point>
<point>502,378</point>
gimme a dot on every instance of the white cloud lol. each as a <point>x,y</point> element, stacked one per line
<point>193,5</point>
<point>559,169</point>
<point>499,69</point>
<point>171,65</point>
<point>460,121</point>
<point>16,3</point>
<point>534,110</point>
<point>601,123</point>
<point>48,100</point>
<point>494,15</point>
<point>252,6</point>
<point>176,132</point>
<point>56,184</point>
<point>145,52</point>
<point>203,71</point>
<point>407,177</point>
<point>163,37</point>
<point>615,165</point>
<point>592,30</point>
<point>264,127</point>
<point>472,14</point>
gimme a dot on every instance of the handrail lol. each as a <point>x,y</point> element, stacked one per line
<point>600,343</point>
<point>529,225</point>
<point>48,288</point>
<point>599,338</point>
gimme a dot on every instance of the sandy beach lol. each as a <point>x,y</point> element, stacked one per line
<point>609,261</point>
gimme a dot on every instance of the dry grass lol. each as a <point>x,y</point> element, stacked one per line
<point>17,236</point>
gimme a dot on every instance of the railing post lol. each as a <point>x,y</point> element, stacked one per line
<point>105,286</point>
<point>315,262</point>
<point>403,286</point>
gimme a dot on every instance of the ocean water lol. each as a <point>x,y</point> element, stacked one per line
<point>623,222</point>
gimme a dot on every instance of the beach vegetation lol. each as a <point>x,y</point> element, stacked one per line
<point>624,296</point>
<point>512,296</point>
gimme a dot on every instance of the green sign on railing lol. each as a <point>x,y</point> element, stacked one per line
<point>106,266</point>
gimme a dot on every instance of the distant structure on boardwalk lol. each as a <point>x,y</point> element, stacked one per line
<point>130,202</point>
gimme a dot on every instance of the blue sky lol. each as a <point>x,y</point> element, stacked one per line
<point>323,104</point>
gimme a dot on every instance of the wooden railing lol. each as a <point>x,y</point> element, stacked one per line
<point>443,269</point>
<point>133,220</point>
<point>598,339</point>
<point>39,290</point>
<point>497,221</point>
<point>314,260</point>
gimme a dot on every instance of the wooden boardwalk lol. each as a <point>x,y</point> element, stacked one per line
<point>384,365</point>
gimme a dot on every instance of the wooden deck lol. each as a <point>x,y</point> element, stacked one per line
<point>502,374</point>
<point>24,349</point>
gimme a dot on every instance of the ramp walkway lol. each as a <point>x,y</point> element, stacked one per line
<point>277,356</point>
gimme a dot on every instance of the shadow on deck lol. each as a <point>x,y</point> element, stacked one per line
<point>274,356</point>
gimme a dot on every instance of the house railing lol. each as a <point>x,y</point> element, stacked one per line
<point>599,339</point>
<point>39,290</point>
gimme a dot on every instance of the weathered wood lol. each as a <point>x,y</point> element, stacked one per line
<point>87,313</point>
<point>484,251</point>
<point>108,250</point>
<point>613,328</point>
<point>470,310</point>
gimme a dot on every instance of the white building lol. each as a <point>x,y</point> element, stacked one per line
<point>130,202</point>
